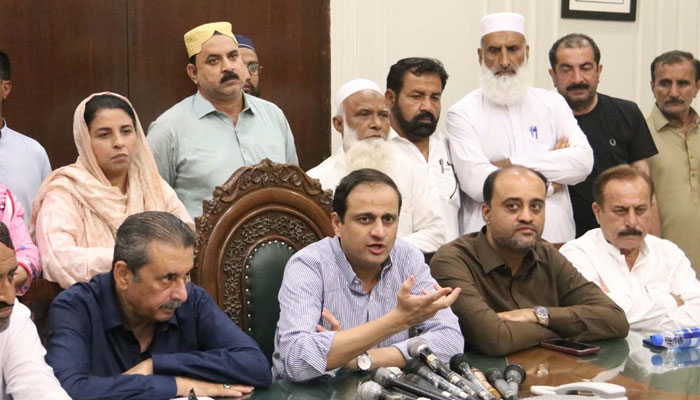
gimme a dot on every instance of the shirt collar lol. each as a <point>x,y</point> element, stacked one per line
<point>3,126</point>
<point>660,121</point>
<point>204,107</point>
<point>112,314</point>
<point>345,268</point>
<point>490,260</point>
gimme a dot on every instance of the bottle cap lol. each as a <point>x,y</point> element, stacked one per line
<point>656,359</point>
<point>657,340</point>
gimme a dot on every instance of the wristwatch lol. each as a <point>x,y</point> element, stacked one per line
<point>364,362</point>
<point>542,314</point>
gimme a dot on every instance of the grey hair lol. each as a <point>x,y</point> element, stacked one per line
<point>139,230</point>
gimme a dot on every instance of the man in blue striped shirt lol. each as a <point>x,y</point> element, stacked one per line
<point>348,301</point>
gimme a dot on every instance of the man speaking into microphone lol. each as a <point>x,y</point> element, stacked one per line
<point>517,289</point>
<point>348,301</point>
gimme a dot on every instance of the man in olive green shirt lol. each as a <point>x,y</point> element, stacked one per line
<point>202,140</point>
<point>517,289</point>
<point>675,127</point>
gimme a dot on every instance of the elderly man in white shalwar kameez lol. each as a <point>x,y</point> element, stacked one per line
<point>362,117</point>
<point>508,122</point>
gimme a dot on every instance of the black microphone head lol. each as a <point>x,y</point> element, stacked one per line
<point>493,374</point>
<point>515,371</point>
<point>369,390</point>
<point>413,365</point>
<point>458,359</point>
<point>415,345</point>
<point>384,377</point>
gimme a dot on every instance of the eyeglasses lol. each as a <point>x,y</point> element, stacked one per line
<point>254,68</point>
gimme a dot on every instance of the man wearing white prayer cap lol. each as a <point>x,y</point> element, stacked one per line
<point>199,142</point>
<point>362,118</point>
<point>508,122</point>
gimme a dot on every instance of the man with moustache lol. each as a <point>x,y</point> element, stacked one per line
<point>675,171</point>
<point>650,278</point>
<point>144,331</point>
<point>414,89</point>
<point>615,128</point>
<point>250,59</point>
<point>517,289</point>
<point>508,122</point>
<point>23,371</point>
<point>199,142</point>
<point>362,117</point>
<point>349,301</point>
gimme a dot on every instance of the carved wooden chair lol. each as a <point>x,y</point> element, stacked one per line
<point>38,299</point>
<point>260,217</point>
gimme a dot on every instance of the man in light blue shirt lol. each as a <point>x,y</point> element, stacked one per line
<point>348,301</point>
<point>202,140</point>
<point>23,161</point>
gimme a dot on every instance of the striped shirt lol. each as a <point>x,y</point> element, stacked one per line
<point>320,276</point>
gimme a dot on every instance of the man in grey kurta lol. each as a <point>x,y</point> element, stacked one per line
<point>199,142</point>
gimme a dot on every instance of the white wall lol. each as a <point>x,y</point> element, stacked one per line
<point>368,36</point>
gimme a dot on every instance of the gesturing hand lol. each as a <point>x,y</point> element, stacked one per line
<point>416,309</point>
<point>332,320</point>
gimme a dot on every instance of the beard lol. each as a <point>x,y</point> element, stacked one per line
<point>372,153</point>
<point>579,104</point>
<point>415,129</point>
<point>505,89</point>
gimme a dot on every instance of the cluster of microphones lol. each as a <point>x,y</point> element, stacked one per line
<point>425,376</point>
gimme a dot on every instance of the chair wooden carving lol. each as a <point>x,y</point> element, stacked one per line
<point>38,299</point>
<point>248,231</point>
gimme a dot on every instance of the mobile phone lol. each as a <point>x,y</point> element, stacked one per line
<point>569,346</point>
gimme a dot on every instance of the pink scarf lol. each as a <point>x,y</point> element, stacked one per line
<point>102,204</point>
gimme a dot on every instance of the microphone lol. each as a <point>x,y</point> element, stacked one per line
<point>420,381</point>
<point>418,348</point>
<point>495,377</point>
<point>515,375</point>
<point>373,391</point>
<point>388,379</point>
<point>459,363</point>
<point>417,367</point>
<point>484,382</point>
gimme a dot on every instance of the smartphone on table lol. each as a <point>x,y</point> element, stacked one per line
<point>570,347</point>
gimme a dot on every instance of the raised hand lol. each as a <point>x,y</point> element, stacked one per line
<point>416,309</point>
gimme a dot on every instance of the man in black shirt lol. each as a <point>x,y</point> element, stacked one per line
<point>615,128</point>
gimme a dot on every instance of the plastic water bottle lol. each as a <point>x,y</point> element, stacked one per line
<point>677,338</point>
<point>677,358</point>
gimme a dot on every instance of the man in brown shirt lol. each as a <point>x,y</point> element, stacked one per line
<point>675,127</point>
<point>517,289</point>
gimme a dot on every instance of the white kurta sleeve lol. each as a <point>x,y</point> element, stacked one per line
<point>470,163</point>
<point>570,165</point>
<point>25,373</point>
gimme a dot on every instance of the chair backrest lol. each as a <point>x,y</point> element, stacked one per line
<point>260,217</point>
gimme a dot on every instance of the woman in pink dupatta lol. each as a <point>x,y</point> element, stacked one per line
<point>76,213</point>
<point>12,215</point>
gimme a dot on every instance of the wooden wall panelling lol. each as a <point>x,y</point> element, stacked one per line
<point>292,38</point>
<point>61,51</point>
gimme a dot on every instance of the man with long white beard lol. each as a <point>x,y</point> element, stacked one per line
<point>362,118</point>
<point>509,122</point>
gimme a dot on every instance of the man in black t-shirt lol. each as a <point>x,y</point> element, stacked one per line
<point>615,128</point>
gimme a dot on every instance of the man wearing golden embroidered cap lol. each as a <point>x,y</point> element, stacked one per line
<point>199,142</point>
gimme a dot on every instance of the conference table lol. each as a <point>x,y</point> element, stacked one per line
<point>623,362</point>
